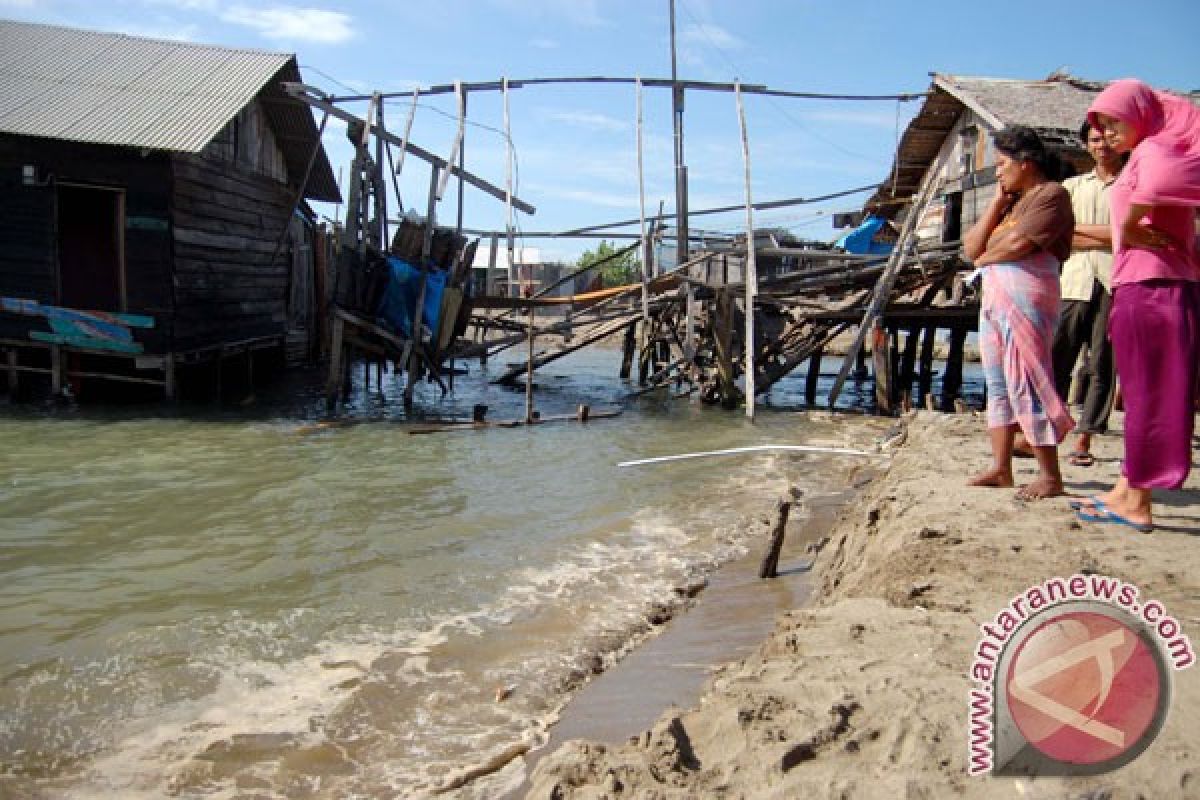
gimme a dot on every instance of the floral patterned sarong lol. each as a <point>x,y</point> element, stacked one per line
<point>1016,327</point>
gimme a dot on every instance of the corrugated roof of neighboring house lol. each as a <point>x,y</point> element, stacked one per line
<point>1055,107</point>
<point>115,89</point>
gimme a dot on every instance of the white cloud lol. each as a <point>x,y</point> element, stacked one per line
<point>544,44</point>
<point>704,35</point>
<point>17,3</point>
<point>293,24</point>
<point>590,120</point>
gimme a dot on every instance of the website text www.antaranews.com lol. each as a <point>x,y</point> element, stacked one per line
<point>1032,602</point>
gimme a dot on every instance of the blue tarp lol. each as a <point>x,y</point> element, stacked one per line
<point>400,298</point>
<point>861,240</point>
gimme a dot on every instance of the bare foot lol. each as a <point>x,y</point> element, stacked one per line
<point>1041,489</point>
<point>994,477</point>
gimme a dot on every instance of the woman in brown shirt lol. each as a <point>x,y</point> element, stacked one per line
<point>1022,240</point>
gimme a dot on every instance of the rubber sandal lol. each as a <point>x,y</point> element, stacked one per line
<point>1105,515</point>
<point>1081,458</point>
<point>1091,500</point>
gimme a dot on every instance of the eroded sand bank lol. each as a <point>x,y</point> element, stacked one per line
<point>864,692</point>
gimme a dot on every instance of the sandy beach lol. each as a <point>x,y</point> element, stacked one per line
<point>863,691</point>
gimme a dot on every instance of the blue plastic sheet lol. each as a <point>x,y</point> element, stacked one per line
<point>399,302</point>
<point>861,240</point>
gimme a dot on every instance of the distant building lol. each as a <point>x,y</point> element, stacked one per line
<point>528,270</point>
<point>148,204</point>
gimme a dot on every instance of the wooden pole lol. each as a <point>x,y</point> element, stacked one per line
<point>380,187</point>
<point>56,370</point>
<point>642,213</point>
<point>952,378</point>
<point>529,372</point>
<point>770,564</point>
<point>13,373</point>
<point>751,265</point>
<point>415,345</point>
<point>723,340</point>
<point>814,375</point>
<point>925,373</point>
<point>458,139</point>
<point>881,357</point>
<point>412,112</point>
<point>508,196</point>
<point>627,350</point>
<point>908,363</point>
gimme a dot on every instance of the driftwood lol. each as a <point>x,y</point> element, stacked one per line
<point>494,763</point>
<point>770,564</point>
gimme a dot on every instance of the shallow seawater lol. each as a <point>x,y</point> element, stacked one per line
<point>210,602</point>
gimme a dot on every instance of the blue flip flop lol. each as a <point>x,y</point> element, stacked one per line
<point>1106,515</point>
<point>1090,500</point>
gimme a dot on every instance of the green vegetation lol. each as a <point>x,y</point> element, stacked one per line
<point>618,271</point>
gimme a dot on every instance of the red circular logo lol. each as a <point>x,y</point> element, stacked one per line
<point>1085,688</point>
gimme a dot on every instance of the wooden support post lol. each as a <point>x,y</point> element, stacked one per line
<point>770,564</point>
<point>723,338</point>
<point>952,377</point>
<point>583,412</point>
<point>337,359</point>
<point>908,362</point>
<point>529,372</point>
<point>646,245</point>
<point>925,375</point>
<point>627,352</point>
<point>170,390</point>
<point>56,370</point>
<point>414,354</point>
<point>860,369</point>
<point>813,377</point>
<point>894,365</point>
<point>881,357</point>
<point>220,372</point>
<point>13,373</point>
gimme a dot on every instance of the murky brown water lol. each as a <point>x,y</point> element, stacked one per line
<point>233,605</point>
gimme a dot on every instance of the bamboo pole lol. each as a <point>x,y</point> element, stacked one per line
<point>458,139</point>
<point>508,180</point>
<point>751,265</point>
<point>412,112</point>
<point>642,212</point>
<point>529,372</point>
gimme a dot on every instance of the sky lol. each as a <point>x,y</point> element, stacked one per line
<point>575,146</point>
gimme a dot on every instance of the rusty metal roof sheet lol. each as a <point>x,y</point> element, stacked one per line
<point>114,89</point>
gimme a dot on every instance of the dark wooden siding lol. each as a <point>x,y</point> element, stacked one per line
<point>225,225</point>
<point>28,254</point>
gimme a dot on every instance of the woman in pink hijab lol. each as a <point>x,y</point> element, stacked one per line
<point>1155,319</point>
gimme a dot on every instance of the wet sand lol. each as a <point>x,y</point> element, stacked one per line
<point>863,691</point>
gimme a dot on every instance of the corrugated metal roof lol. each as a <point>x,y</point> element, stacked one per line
<point>114,89</point>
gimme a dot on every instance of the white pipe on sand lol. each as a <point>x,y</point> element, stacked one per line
<point>758,448</point>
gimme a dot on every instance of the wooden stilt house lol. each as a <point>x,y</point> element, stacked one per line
<point>152,206</point>
<point>952,134</point>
